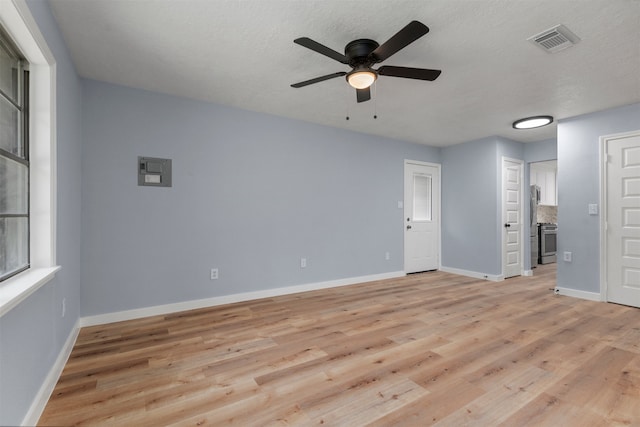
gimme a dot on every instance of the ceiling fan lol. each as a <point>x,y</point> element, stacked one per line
<point>362,54</point>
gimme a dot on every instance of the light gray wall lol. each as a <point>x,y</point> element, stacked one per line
<point>252,194</point>
<point>578,186</point>
<point>541,151</point>
<point>472,203</point>
<point>469,202</point>
<point>33,333</point>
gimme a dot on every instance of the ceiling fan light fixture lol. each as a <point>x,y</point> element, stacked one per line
<point>532,122</point>
<point>363,54</point>
<point>361,78</point>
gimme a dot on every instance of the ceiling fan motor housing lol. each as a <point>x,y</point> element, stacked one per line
<point>358,52</point>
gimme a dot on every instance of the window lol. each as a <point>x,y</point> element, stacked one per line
<point>14,160</point>
<point>39,242</point>
<point>422,197</point>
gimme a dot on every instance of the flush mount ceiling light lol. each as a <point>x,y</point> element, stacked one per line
<point>532,122</point>
<point>361,77</point>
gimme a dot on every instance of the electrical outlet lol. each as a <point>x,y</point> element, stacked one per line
<point>303,263</point>
<point>567,256</point>
<point>387,256</point>
<point>64,306</point>
<point>214,274</point>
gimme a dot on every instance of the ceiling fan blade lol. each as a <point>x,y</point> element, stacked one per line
<point>321,49</point>
<point>319,79</point>
<point>409,73</point>
<point>363,94</point>
<point>412,32</point>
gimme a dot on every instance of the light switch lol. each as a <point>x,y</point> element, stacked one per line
<point>152,179</point>
<point>593,209</point>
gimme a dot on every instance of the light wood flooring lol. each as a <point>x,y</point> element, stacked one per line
<point>426,349</point>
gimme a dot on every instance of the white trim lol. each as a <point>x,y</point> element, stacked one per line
<point>474,274</point>
<point>602,181</point>
<point>604,202</point>
<point>16,18</point>
<point>528,273</point>
<point>101,319</point>
<point>520,219</point>
<point>18,21</point>
<point>41,399</point>
<point>18,288</point>
<point>421,163</point>
<point>591,296</point>
<point>438,166</point>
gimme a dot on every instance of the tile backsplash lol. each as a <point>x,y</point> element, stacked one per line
<point>548,214</point>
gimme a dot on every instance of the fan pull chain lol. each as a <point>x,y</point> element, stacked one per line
<point>347,108</point>
<point>375,101</point>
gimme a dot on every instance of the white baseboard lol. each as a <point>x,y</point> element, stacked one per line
<point>41,399</point>
<point>474,274</point>
<point>119,316</point>
<point>528,273</point>
<point>591,296</point>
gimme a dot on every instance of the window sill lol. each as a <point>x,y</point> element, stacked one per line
<point>18,288</point>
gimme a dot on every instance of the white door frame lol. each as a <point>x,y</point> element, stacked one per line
<point>438,167</point>
<point>520,219</point>
<point>604,141</point>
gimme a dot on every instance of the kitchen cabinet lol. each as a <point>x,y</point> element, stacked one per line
<point>544,175</point>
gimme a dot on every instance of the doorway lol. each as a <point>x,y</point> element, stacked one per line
<point>421,216</point>
<point>543,213</point>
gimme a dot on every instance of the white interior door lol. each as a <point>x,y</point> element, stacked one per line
<point>622,219</point>
<point>421,216</point>
<point>512,172</point>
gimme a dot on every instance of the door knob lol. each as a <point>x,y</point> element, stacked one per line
<point>408,227</point>
<point>507,225</point>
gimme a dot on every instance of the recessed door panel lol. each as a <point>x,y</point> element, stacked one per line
<point>622,217</point>
<point>511,213</point>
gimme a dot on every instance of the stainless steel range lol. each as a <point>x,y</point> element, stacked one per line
<point>547,234</point>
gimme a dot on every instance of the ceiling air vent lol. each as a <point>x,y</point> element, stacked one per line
<point>555,39</point>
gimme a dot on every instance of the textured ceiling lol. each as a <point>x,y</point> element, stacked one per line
<point>241,53</point>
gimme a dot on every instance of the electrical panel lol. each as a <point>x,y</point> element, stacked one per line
<point>154,172</point>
